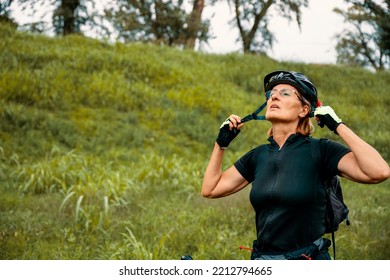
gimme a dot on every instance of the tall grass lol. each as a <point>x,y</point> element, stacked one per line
<point>103,148</point>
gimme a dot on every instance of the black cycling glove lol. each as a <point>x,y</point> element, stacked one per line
<point>226,135</point>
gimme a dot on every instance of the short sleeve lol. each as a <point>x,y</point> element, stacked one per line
<point>331,154</point>
<point>246,165</point>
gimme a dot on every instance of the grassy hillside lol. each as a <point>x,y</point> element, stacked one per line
<point>103,149</point>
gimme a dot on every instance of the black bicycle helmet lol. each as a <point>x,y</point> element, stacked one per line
<point>297,80</point>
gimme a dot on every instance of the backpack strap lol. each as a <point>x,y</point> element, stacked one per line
<point>316,154</point>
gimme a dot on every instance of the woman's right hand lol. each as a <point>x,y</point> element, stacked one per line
<point>228,130</point>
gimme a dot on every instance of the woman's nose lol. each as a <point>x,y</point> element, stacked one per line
<point>275,95</point>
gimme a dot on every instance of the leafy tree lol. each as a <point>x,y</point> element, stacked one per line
<point>159,21</point>
<point>5,12</point>
<point>68,16</point>
<point>252,19</point>
<point>66,19</point>
<point>367,43</point>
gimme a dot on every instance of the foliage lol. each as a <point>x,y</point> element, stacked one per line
<point>367,43</point>
<point>171,23</point>
<point>5,11</point>
<point>67,17</point>
<point>252,18</point>
<point>162,22</point>
<point>103,149</point>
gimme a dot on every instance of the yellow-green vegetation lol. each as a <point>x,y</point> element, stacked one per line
<point>103,148</point>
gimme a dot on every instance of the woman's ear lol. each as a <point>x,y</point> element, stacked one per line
<point>305,111</point>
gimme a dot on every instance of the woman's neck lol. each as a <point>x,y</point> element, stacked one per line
<point>280,133</point>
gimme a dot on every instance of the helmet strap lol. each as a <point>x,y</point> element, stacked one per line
<point>254,115</point>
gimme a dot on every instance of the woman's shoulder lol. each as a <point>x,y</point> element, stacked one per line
<point>323,140</point>
<point>329,146</point>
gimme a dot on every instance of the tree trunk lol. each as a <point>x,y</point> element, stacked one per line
<point>248,37</point>
<point>194,24</point>
<point>68,9</point>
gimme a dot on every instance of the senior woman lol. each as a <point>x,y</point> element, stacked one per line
<point>287,191</point>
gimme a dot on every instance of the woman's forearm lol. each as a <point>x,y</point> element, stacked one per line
<point>213,171</point>
<point>370,162</point>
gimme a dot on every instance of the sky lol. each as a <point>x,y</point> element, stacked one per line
<point>314,43</point>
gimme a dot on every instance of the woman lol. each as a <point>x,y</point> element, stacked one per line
<point>287,193</point>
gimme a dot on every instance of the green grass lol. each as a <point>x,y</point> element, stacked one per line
<point>103,148</point>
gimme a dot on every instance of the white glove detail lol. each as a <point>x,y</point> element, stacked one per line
<point>324,110</point>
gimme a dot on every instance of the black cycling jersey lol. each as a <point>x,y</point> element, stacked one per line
<point>286,193</point>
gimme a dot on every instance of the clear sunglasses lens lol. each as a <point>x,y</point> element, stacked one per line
<point>267,94</point>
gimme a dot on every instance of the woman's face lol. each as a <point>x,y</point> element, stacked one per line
<point>284,104</point>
